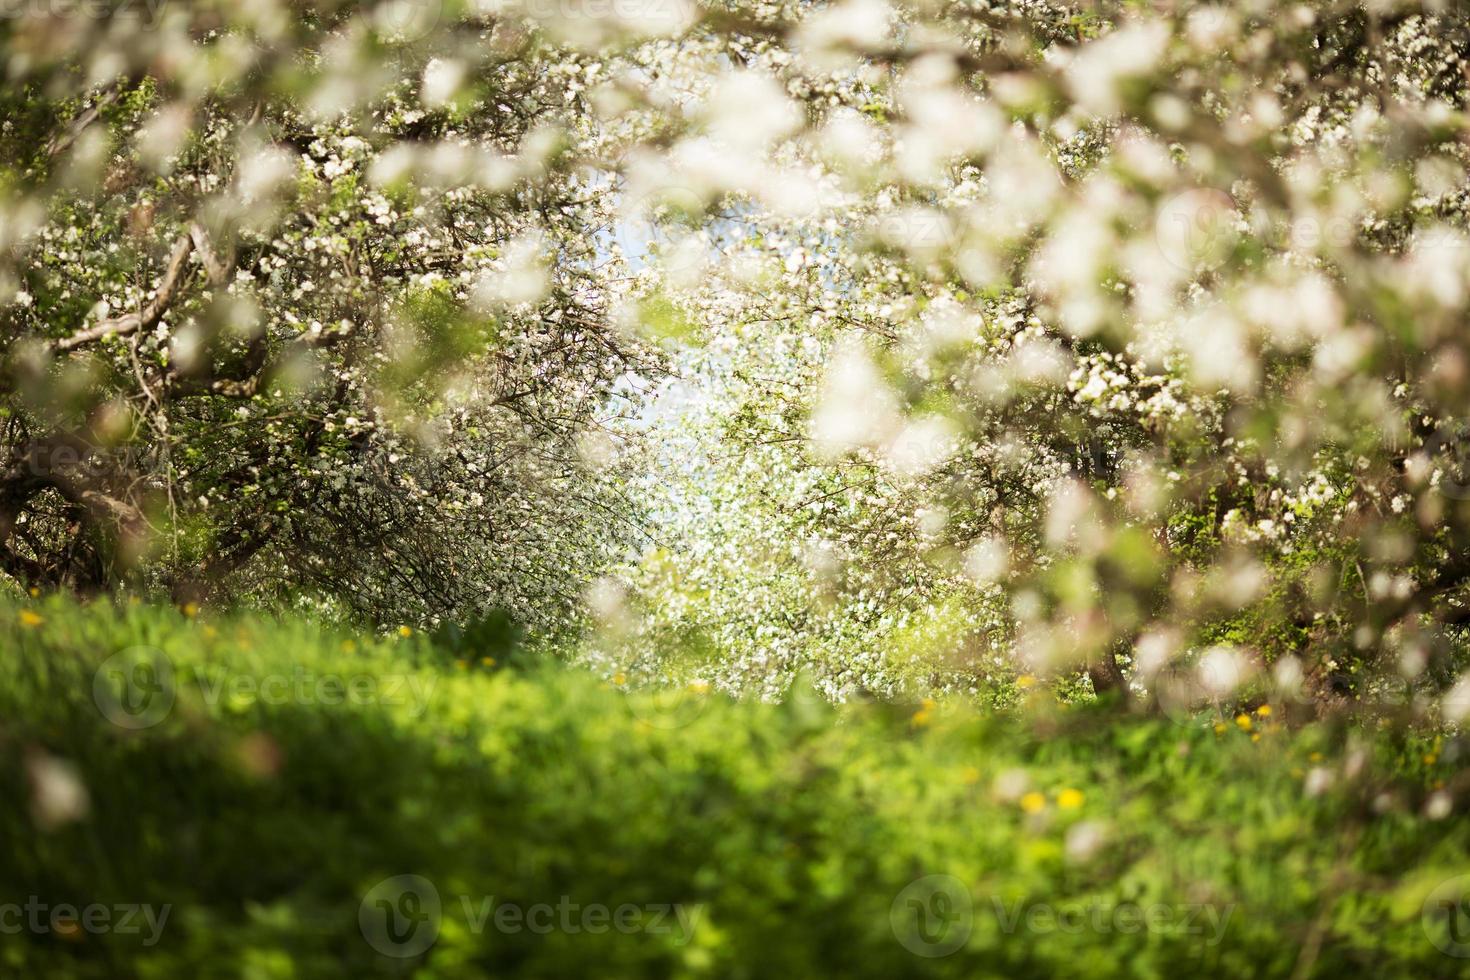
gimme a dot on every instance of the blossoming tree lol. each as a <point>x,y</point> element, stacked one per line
<point>1118,344</point>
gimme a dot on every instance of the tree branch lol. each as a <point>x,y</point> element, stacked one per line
<point>149,316</point>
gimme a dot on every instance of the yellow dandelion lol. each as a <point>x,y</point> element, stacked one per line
<point>35,592</point>
<point>1264,711</point>
<point>1033,802</point>
<point>1431,759</point>
<point>1220,727</point>
<point>1069,799</point>
<point>31,619</point>
<point>405,631</point>
<point>1315,757</point>
<point>1255,736</point>
<point>920,718</point>
<point>1244,722</point>
<point>619,679</point>
<point>1025,681</point>
<point>190,610</point>
<point>487,661</point>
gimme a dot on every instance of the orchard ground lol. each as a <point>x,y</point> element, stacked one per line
<point>225,796</point>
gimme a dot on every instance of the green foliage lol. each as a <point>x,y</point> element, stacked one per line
<point>436,336</point>
<point>787,832</point>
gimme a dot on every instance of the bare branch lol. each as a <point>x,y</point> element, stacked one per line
<point>61,143</point>
<point>130,323</point>
<point>218,271</point>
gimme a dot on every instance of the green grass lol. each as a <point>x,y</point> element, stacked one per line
<point>264,810</point>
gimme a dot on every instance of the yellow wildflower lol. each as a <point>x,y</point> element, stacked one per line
<point>190,610</point>
<point>1431,759</point>
<point>620,678</point>
<point>1033,802</point>
<point>1069,799</point>
<point>1220,728</point>
<point>1264,711</point>
<point>1244,722</point>
<point>1025,681</point>
<point>405,631</point>
<point>31,619</point>
<point>487,661</point>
